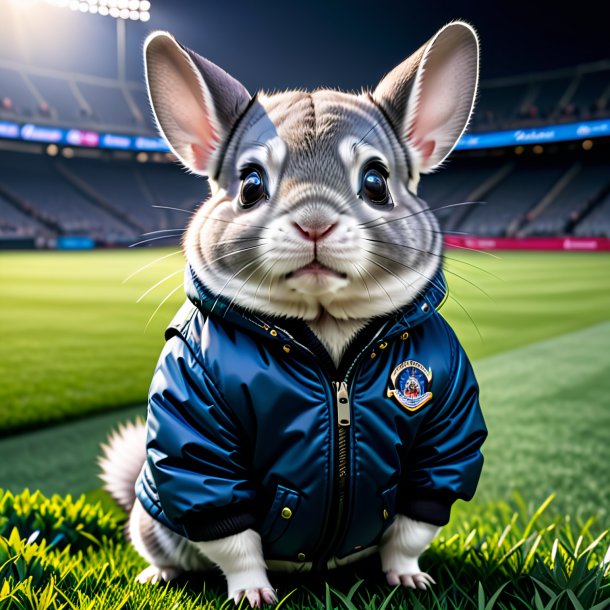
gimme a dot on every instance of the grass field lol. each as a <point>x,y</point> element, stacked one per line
<point>75,343</point>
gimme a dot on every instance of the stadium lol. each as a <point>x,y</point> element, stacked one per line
<point>93,205</point>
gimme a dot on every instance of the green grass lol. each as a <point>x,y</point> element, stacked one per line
<point>74,340</point>
<point>75,343</point>
<point>59,554</point>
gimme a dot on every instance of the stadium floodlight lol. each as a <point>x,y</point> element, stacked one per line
<point>134,10</point>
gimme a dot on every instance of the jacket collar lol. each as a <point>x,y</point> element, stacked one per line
<point>397,322</point>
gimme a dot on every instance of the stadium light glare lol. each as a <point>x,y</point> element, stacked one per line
<point>135,10</point>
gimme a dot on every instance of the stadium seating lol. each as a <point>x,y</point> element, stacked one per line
<point>588,182</point>
<point>512,198</point>
<point>110,201</point>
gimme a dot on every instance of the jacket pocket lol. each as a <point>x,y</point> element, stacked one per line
<point>280,515</point>
<point>388,505</point>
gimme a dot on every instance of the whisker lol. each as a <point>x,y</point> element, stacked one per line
<point>162,231</point>
<point>476,250</point>
<point>429,253</point>
<point>262,280</point>
<point>145,241</point>
<point>239,239</point>
<point>232,253</point>
<point>239,224</point>
<point>408,286</point>
<point>424,211</point>
<point>167,277</point>
<point>154,313</point>
<point>150,265</point>
<point>431,280</point>
<point>220,293</point>
<point>241,287</point>
<point>365,135</point>
<point>377,281</point>
<point>481,290</point>
<point>167,207</point>
<point>363,280</point>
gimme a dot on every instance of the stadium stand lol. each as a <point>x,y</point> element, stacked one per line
<point>584,185</point>
<point>108,201</point>
<point>532,100</point>
<point>597,223</point>
<point>110,197</point>
<point>515,195</point>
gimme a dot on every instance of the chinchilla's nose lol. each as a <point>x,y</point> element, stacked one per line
<point>315,232</point>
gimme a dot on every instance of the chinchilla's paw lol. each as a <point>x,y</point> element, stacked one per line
<point>419,580</point>
<point>153,575</point>
<point>257,597</point>
<point>254,585</point>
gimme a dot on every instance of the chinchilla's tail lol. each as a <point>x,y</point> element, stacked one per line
<point>124,454</point>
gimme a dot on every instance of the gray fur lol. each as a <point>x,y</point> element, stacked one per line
<point>312,147</point>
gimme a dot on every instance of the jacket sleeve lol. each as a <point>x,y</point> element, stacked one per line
<point>445,462</point>
<point>195,450</point>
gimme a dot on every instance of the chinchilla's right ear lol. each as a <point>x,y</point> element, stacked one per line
<point>195,102</point>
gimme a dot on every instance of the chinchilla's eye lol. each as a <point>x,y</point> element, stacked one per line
<point>375,187</point>
<point>252,187</point>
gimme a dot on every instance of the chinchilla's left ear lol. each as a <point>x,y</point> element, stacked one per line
<point>195,103</point>
<point>429,97</point>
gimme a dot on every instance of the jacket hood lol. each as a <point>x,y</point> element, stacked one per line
<point>410,315</point>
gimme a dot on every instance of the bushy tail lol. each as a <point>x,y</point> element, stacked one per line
<point>123,457</point>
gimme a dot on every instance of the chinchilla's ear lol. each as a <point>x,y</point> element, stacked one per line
<point>195,102</point>
<point>429,97</point>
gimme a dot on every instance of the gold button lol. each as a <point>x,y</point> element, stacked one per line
<point>273,332</point>
<point>286,513</point>
<point>373,355</point>
<point>286,348</point>
<point>386,514</point>
<point>301,556</point>
<point>383,345</point>
<point>404,336</point>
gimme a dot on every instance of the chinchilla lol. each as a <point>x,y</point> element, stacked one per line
<point>313,216</point>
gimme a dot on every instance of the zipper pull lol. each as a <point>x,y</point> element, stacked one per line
<point>343,408</point>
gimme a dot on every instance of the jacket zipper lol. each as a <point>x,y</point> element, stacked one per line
<point>342,472</point>
<point>344,420</point>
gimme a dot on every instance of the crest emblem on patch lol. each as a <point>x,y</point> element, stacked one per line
<point>411,381</point>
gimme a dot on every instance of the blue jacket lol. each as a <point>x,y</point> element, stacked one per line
<point>251,425</point>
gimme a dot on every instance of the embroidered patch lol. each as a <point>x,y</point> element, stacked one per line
<point>411,381</point>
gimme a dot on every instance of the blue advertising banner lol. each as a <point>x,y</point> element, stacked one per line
<point>93,139</point>
<point>536,135</point>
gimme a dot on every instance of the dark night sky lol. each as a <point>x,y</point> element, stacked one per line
<point>348,44</point>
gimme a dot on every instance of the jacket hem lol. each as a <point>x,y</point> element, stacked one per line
<point>221,528</point>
